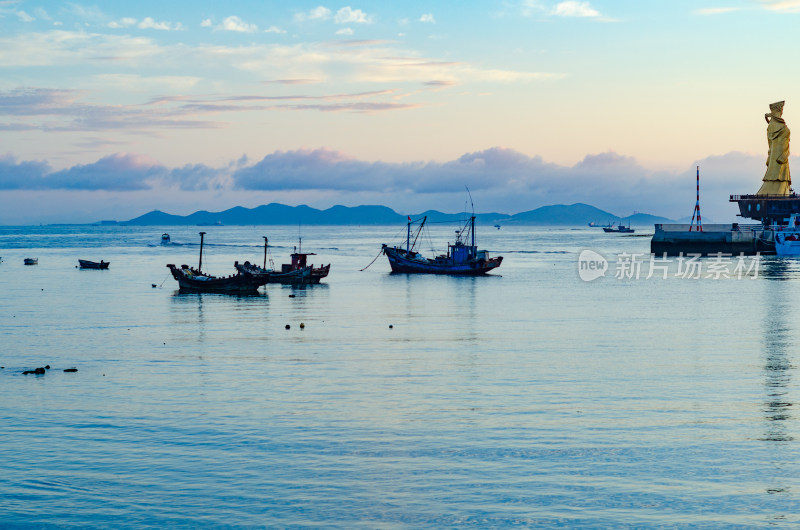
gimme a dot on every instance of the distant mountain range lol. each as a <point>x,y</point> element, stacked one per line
<point>280,214</point>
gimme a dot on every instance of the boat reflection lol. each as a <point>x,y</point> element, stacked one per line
<point>778,344</point>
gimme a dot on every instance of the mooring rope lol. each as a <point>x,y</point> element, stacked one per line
<point>371,262</point>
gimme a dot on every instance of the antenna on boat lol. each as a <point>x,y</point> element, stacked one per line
<point>200,265</point>
<point>266,242</point>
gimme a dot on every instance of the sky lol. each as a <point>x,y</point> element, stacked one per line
<point>109,110</point>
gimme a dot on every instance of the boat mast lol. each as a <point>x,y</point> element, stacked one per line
<point>266,241</point>
<point>408,237</point>
<point>472,229</point>
<point>200,265</point>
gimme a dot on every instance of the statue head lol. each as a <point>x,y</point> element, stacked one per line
<point>776,108</point>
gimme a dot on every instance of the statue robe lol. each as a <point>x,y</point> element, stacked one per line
<point>777,179</point>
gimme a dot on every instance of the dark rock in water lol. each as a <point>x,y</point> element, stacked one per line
<point>47,367</point>
<point>288,326</point>
<point>37,371</point>
<point>154,285</point>
<point>72,370</point>
<point>291,296</point>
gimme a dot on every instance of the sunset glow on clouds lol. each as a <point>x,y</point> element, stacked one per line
<point>529,103</point>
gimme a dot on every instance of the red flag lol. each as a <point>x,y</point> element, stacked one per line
<point>409,218</point>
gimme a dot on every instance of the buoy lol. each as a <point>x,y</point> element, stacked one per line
<point>47,367</point>
<point>154,285</point>
<point>302,325</point>
<point>391,326</point>
<point>291,296</point>
<point>288,326</point>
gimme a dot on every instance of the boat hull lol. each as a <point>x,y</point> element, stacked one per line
<point>85,264</point>
<point>787,244</point>
<point>236,284</point>
<point>303,275</point>
<point>399,262</point>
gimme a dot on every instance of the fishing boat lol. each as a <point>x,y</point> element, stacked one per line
<point>619,229</point>
<point>31,261</point>
<point>190,279</point>
<point>165,240</point>
<point>787,239</point>
<point>296,272</point>
<point>461,258</point>
<point>86,264</point>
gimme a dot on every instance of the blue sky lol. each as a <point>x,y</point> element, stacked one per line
<point>108,110</point>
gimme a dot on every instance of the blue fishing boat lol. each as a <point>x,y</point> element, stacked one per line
<point>462,258</point>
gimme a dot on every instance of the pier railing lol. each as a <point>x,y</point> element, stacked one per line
<point>730,227</point>
<point>735,198</point>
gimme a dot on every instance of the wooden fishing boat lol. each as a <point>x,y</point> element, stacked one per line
<point>296,272</point>
<point>190,279</point>
<point>86,264</point>
<point>461,258</point>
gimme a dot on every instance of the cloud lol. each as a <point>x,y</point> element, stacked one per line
<point>428,18</point>
<point>149,23</point>
<point>196,177</point>
<point>513,181</point>
<point>16,175</point>
<point>206,23</point>
<point>715,10</point>
<point>122,23</point>
<point>274,29</point>
<point>345,31</point>
<point>348,15</point>
<point>786,6</point>
<point>504,179</point>
<point>234,23</point>
<point>25,17</point>
<point>119,172</point>
<point>294,81</point>
<point>572,8</point>
<point>318,13</point>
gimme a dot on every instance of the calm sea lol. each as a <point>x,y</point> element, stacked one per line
<point>525,398</point>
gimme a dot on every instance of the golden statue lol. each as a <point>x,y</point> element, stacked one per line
<point>777,179</point>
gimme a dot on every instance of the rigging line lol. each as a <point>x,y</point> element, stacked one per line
<point>165,279</point>
<point>419,231</point>
<point>371,262</point>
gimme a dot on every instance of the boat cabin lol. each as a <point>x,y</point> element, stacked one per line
<point>299,261</point>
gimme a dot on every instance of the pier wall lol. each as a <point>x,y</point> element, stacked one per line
<point>734,239</point>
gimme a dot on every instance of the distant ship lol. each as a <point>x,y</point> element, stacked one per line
<point>461,258</point>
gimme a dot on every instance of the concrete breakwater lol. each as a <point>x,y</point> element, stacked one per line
<point>733,238</point>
